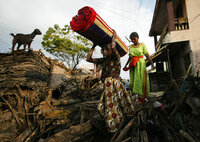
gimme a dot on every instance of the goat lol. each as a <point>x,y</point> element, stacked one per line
<point>25,39</point>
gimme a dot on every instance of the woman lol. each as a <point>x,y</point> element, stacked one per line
<point>115,102</point>
<point>139,79</point>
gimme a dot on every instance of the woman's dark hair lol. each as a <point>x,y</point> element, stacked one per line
<point>107,48</point>
<point>102,48</point>
<point>134,34</point>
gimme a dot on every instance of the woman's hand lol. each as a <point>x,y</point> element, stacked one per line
<point>114,34</point>
<point>89,56</point>
<point>125,67</point>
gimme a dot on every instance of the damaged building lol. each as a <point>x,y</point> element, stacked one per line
<point>176,24</point>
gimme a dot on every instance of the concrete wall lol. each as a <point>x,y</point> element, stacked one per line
<point>176,36</point>
<point>192,35</point>
<point>194,31</point>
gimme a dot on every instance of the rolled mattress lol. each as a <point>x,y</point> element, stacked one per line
<point>90,25</point>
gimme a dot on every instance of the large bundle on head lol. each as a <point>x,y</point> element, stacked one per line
<point>90,25</point>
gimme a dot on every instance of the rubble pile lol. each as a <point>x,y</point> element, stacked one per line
<point>182,101</point>
<point>34,106</point>
<point>41,100</point>
<point>24,82</point>
<point>28,69</point>
<point>171,117</point>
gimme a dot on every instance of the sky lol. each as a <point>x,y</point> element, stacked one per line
<point>125,16</point>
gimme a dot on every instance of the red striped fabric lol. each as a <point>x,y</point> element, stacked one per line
<point>90,25</point>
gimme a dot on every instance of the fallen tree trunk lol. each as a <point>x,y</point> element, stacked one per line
<point>74,133</point>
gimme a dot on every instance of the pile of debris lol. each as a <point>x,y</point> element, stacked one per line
<point>40,97</point>
<point>170,117</point>
<point>41,100</point>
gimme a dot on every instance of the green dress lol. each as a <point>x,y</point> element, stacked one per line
<point>139,79</point>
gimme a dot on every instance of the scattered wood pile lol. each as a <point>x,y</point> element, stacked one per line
<point>172,117</point>
<point>23,84</point>
<point>35,106</point>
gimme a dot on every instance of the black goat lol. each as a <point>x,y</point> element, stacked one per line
<point>25,39</point>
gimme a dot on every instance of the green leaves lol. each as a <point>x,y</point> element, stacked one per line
<point>66,45</point>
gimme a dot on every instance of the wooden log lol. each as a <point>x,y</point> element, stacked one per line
<point>167,134</point>
<point>145,137</point>
<point>26,114</point>
<point>141,136</point>
<point>187,136</point>
<point>85,137</point>
<point>117,132</point>
<point>96,123</point>
<point>32,135</point>
<point>129,139</point>
<point>19,99</point>
<point>188,71</point>
<point>71,133</point>
<point>13,112</point>
<point>23,101</point>
<point>125,130</point>
<point>178,105</point>
<point>193,135</point>
<point>69,102</point>
<point>23,136</point>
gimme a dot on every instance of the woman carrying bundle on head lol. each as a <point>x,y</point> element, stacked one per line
<point>115,102</point>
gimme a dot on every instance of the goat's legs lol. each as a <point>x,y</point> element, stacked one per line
<point>13,45</point>
<point>25,47</point>
<point>18,46</point>
<point>29,46</point>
